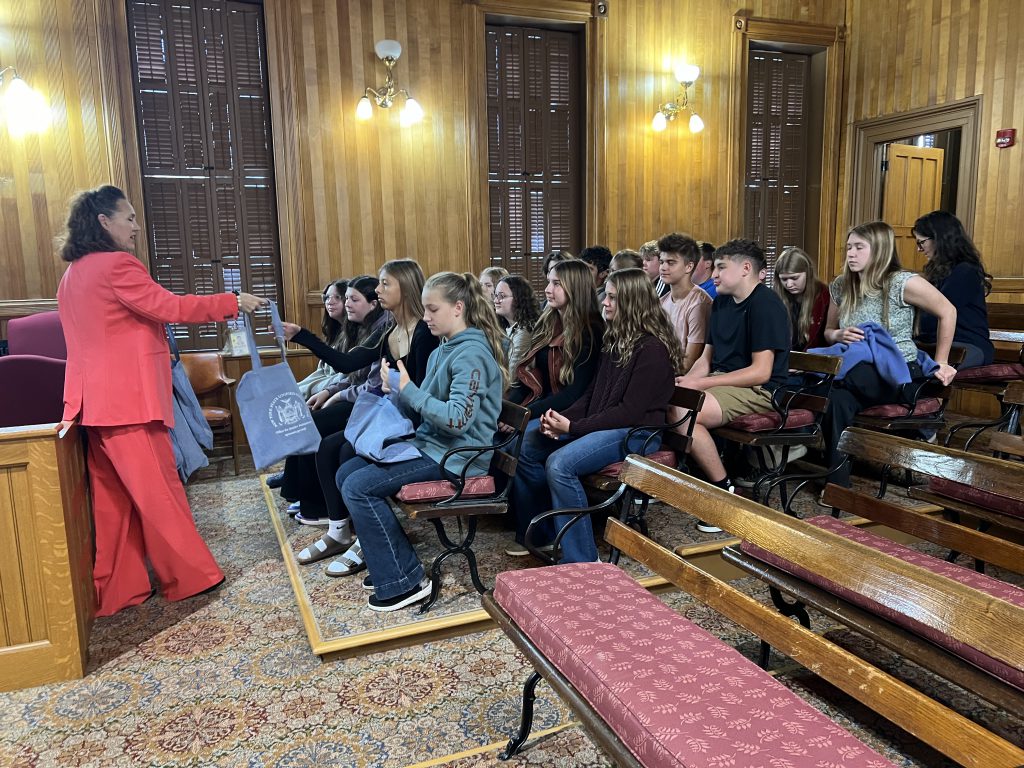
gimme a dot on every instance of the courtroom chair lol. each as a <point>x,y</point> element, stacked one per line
<point>206,375</point>
<point>31,390</point>
<point>38,334</point>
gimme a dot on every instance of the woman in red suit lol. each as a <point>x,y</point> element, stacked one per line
<point>118,386</point>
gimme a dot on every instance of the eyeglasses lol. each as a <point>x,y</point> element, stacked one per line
<point>921,242</point>
<point>501,297</point>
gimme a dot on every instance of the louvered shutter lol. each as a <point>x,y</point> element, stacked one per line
<point>775,188</point>
<point>201,102</point>
<point>533,139</point>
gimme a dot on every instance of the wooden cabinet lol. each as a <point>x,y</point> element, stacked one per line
<point>47,601</point>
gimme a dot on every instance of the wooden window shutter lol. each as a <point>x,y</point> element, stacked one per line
<point>775,188</point>
<point>534,106</point>
<point>204,127</point>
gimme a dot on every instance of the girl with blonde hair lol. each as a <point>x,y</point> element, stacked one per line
<point>457,404</point>
<point>640,359</point>
<point>873,288</point>
<point>805,296</point>
<point>490,277</point>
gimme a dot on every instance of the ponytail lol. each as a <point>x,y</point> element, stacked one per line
<point>479,311</point>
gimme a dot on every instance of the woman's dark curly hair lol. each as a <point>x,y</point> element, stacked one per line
<point>83,232</point>
<point>524,302</point>
<point>953,246</point>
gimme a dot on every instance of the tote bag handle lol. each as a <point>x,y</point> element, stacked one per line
<point>275,322</point>
<point>172,342</point>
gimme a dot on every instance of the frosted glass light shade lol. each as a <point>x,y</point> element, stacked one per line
<point>364,109</point>
<point>687,73</point>
<point>696,124</point>
<point>24,109</point>
<point>660,122</point>
<point>412,112</point>
<point>385,48</point>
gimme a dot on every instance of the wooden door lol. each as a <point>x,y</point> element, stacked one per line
<point>913,187</point>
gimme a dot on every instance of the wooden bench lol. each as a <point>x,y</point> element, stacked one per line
<point>599,641</point>
<point>1006,331</point>
<point>989,489</point>
<point>1009,422</point>
<point>467,498</point>
<point>795,420</point>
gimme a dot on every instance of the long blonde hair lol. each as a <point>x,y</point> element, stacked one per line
<point>638,312</point>
<point>876,276</point>
<point>579,316</point>
<point>795,260</point>
<point>478,311</point>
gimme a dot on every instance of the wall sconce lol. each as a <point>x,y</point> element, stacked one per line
<point>24,108</point>
<point>686,74</point>
<point>388,51</point>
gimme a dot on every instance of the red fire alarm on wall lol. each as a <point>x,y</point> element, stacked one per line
<point>1007,137</point>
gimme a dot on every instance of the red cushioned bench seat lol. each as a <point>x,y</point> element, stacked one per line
<point>763,422</point>
<point>924,407</point>
<point>674,694</point>
<point>666,457</point>
<point>971,495</point>
<point>436,490</point>
<point>998,589</point>
<point>994,373</point>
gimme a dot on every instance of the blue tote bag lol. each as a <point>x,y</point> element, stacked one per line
<point>277,422</point>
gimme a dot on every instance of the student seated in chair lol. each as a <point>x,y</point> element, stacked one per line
<point>687,305</point>
<point>874,288</point>
<point>458,404</point>
<point>746,357</point>
<point>633,385</point>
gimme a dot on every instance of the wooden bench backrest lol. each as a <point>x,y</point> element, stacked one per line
<point>1006,324</point>
<point>690,400</point>
<point>945,730</point>
<point>985,473</point>
<point>991,549</point>
<point>972,617</point>
<point>1014,393</point>
<point>516,416</point>
<point>805,362</point>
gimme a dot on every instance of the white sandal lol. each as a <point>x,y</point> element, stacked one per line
<point>324,547</point>
<point>349,563</point>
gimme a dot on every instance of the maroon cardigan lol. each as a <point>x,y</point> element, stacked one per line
<point>629,396</point>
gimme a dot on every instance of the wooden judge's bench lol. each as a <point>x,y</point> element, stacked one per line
<point>46,553</point>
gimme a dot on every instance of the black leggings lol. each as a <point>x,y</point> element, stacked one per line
<point>301,482</point>
<point>334,451</point>
<point>861,388</point>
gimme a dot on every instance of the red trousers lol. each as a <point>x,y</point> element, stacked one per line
<point>140,511</point>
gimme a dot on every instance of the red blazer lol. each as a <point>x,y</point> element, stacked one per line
<point>113,313</point>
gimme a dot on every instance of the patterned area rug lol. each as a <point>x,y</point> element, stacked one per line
<point>228,679</point>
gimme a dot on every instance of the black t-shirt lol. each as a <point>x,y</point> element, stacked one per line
<point>738,329</point>
<point>965,290</point>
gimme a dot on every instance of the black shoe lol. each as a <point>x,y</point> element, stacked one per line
<point>275,480</point>
<point>414,595</point>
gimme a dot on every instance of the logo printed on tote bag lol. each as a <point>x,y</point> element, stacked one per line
<point>286,410</point>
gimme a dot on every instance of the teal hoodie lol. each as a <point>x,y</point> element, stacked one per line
<point>459,400</point>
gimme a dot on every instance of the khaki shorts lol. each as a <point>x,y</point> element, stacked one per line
<point>739,401</point>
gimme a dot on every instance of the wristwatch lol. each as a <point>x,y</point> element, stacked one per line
<point>238,299</point>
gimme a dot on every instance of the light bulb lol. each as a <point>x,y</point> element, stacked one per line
<point>696,124</point>
<point>364,109</point>
<point>660,122</point>
<point>687,73</point>
<point>25,109</point>
<point>412,112</point>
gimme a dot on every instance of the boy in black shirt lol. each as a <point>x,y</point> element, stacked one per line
<point>746,357</point>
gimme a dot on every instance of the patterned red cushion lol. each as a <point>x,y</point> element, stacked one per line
<point>666,457</point>
<point>674,694</point>
<point>924,406</point>
<point>762,422</point>
<point>966,576</point>
<point>972,495</point>
<point>991,373</point>
<point>435,490</point>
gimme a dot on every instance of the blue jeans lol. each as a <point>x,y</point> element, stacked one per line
<point>548,477</point>
<point>365,488</point>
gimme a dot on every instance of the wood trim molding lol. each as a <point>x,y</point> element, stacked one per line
<point>832,39</point>
<point>1008,285</point>
<point>965,114</point>
<point>527,12</point>
<point>278,19</point>
<point>11,308</point>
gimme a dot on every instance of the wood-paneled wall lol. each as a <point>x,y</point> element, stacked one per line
<point>352,195</point>
<point>68,50</point>
<point>905,55</point>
